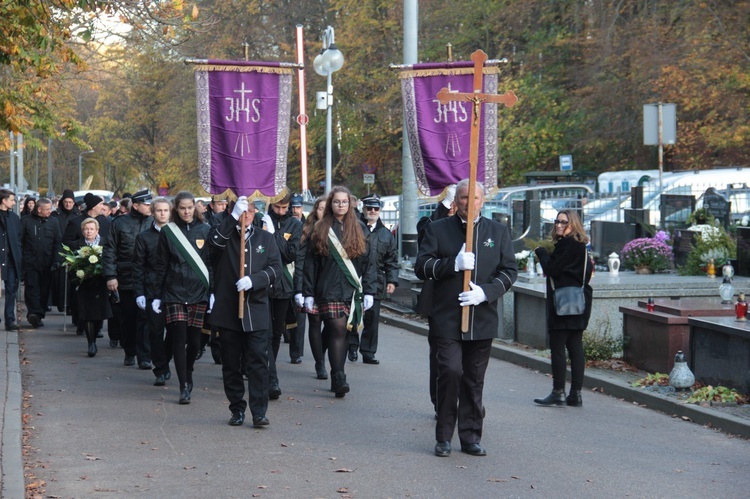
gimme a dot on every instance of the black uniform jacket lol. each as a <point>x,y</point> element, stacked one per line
<point>324,280</point>
<point>262,265</point>
<point>176,280</point>
<point>144,257</point>
<point>384,250</point>
<point>120,246</point>
<point>40,240</point>
<point>287,231</point>
<point>494,271</point>
<point>11,228</point>
<point>565,267</point>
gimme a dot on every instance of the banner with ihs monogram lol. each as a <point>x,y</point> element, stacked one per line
<point>244,117</point>
<point>440,134</point>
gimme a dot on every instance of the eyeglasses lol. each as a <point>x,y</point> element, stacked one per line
<point>337,202</point>
<point>372,208</point>
<point>561,222</point>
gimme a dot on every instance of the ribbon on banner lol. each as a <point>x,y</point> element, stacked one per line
<point>440,134</point>
<point>244,117</point>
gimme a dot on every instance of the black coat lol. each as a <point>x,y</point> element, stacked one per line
<point>144,257</point>
<point>10,241</point>
<point>287,231</point>
<point>41,242</point>
<point>92,295</point>
<point>565,267</point>
<point>62,216</point>
<point>176,281</point>
<point>119,247</point>
<point>262,265</point>
<point>384,249</point>
<point>494,271</point>
<point>324,280</point>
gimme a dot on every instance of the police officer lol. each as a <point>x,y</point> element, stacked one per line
<point>384,251</point>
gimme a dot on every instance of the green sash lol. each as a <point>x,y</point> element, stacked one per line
<point>288,271</point>
<point>347,267</point>
<point>187,251</point>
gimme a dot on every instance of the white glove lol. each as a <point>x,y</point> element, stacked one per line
<point>211,301</point>
<point>268,223</point>
<point>240,207</point>
<point>474,296</point>
<point>141,302</point>
<point>464,260</point>
<point>367,303</point>
<point>450,195</point>
<point>244,284</point>
<point>309,303</point>
<point>156,306</point>
<point>299,300</point>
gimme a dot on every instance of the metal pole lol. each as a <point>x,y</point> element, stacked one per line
<point>302,120</point>
<point>661,159</point>
<point>408,211</point>
<point>12,162</point>
<point>329,132</point>
<point>20,178</point>
<point>80,169</point>
<point>50,190</point>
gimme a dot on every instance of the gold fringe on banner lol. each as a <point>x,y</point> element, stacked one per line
<point>244,69</point>
<point>416,73</point>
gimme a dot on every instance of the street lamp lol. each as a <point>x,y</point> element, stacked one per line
<point>325,64</point>
<point>80,173</point>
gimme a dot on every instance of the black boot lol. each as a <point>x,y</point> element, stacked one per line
<point>320,369</point>
<point>339,384</point>
<point>574,398</point>
<point>91,337</point>
<point>92,348</point>
<point>557,397</point>
<point>184,395</point>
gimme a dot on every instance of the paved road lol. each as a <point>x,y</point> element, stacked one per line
<point>102,429</point>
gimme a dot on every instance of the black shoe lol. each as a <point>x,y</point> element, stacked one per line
<point>574,398</point>
<point>274,392</point>
<point>370,360</point>
<point>12,327</point>
<point>353,356</point>
<point>129,360</point>
<point>473,450</point>
<point>443,449</point>
<point>259,421</point>
<point>557,397</point>
<point>200,353</point>
<point>340,386</point>
<point>184,396</point>
<point>320,370</point>
<point>189,387</point>
<point>112,343</point>
<point>160,380</point>
<point>98,334</point>
<point>34,320</point>
<point>296,360</point>
<point>92,348</point>
<point>237,419</point>
<point>145,365</point>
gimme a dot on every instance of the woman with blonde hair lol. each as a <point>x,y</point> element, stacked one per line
<point>568,265</point>
<point>339,277</point>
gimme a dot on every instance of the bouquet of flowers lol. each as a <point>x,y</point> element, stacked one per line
<point>522,259</point>
<point>85,263</point>
<point>651,252</point>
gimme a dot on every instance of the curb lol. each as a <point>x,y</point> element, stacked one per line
<point>695,413</point>
<point>13,484</point>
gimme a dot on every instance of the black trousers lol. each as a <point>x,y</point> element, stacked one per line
<point>461,366</point>
<point>125,315</point>
<point>433,371</point>
<point>36,291</point>
<point>256,354</point>
<point>279,313</point>
<point>368,343</point>
<point>559,341</point>
<point>160,344</point>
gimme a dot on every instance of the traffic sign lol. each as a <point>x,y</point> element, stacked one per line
<point>566,163</point>
<point>369,178</point>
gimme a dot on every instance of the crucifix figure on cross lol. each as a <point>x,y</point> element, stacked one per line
<point>477,98</point>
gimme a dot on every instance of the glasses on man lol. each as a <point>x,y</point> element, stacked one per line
<point>561,222</point>
<point>337,202</point>
<point>372,208</point>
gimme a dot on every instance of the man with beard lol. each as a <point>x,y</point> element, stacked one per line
<point>286,230</point>
<point>40,241</point>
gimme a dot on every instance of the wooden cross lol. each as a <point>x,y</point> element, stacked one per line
<point>477,98</point>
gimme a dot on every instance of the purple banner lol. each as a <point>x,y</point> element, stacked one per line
<point>244,115</point>
<point>440,134</point>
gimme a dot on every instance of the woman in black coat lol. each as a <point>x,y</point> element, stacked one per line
<point>92,296</point>
<point>326,285</point>
<point>566,266</point>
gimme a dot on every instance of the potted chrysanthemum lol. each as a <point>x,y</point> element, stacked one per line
<point>648,254</point>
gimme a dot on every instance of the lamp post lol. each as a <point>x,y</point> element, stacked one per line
<point>80,169</point>
<point>326,63</point>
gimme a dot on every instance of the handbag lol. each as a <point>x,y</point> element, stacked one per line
<point>569,300</point>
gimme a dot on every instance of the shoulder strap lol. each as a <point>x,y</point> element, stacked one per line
<point>187,251</point>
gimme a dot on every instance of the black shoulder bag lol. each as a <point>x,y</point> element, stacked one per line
<point>569,300</point>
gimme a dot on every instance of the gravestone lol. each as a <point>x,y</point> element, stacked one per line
<point>683,243</point>
<point>743,252</point>
<point>676,209</point>
<point>718,205</point>
<point>609,237</point>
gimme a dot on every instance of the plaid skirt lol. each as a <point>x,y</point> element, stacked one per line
<point>333,309</point>
<point>193,313</point>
